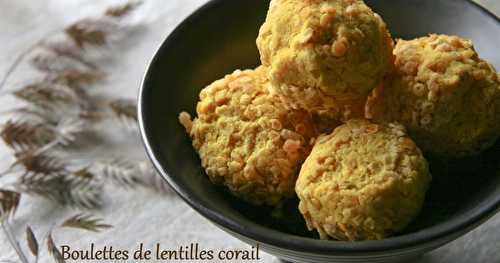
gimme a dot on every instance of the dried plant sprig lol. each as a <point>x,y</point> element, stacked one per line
<point>91,32</point>
<point>95,31</point>
<point>48,62</point>
<point>42,91</point>
<point>62,70</point>
<point>31,138</point>
<point>29,113</point>
<point>67,130</point>
<point>50,117</point>
<point>91,115</point>
<point>51,246</point>
<point>84,197</point>
<point>48,95</point>
<point>125,110</point>
<point>88,196</point>
<point>122,10</point>
<point>19,134</point>
<point>32,241</point>
<point>52,187</point>
<point>81,35</point>
<point>65,50</point>
<point>68,50</point>
<point>119,172</point>
<point>44,122</point>
<point>84,190</point>
<point>86,222</point>
<point>9,202</point>
<point>53,113</point>
<point>43,163</point>
<point>84,174</point>
<point>151,178</point>
<point>130,174</point>
<point>78,78</point>
<point>76,189</point>
<point>25,136</point>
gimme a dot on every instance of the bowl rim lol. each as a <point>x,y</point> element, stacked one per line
<point>272,237</point>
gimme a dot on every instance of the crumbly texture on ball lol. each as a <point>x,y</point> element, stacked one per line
<point>247,139</point>
<point>364,181</point>
<point>324,54</point>
<point>447,97</point>
<point>317,102</point>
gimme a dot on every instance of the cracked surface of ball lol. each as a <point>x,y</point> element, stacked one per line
<point>325,54</point>
<point>247,139</point>
<point>446,96</point>
<point>364,181</point>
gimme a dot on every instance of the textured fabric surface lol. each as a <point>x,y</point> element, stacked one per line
<point>142,216</point>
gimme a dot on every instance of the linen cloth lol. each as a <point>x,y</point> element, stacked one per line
<point>141,216</point>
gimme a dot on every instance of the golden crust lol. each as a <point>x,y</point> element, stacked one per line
<point>447,97</point>
<point>364,181</point>
<point>324,55</point>
<point>247,139</point>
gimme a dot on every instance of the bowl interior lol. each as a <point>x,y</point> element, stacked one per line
<point>220,37</point>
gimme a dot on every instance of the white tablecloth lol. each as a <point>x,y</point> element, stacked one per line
<point>141,216</point>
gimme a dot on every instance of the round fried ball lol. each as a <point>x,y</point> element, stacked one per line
<point>446,96</point>
<point>325,54</point>
<point>248,140</point>
<point>364,181</point>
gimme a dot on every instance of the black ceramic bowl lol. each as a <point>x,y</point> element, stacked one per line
<point>219,38</point>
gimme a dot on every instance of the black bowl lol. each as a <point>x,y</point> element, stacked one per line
<point>219,38</point>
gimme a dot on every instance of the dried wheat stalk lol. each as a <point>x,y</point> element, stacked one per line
<point>56,254</point>
<point>85,222</point>
<point>9,202</point>
<point>123,10</point>
<point>32,241</point>
<point>21,135</point>
<point>58,108</point>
